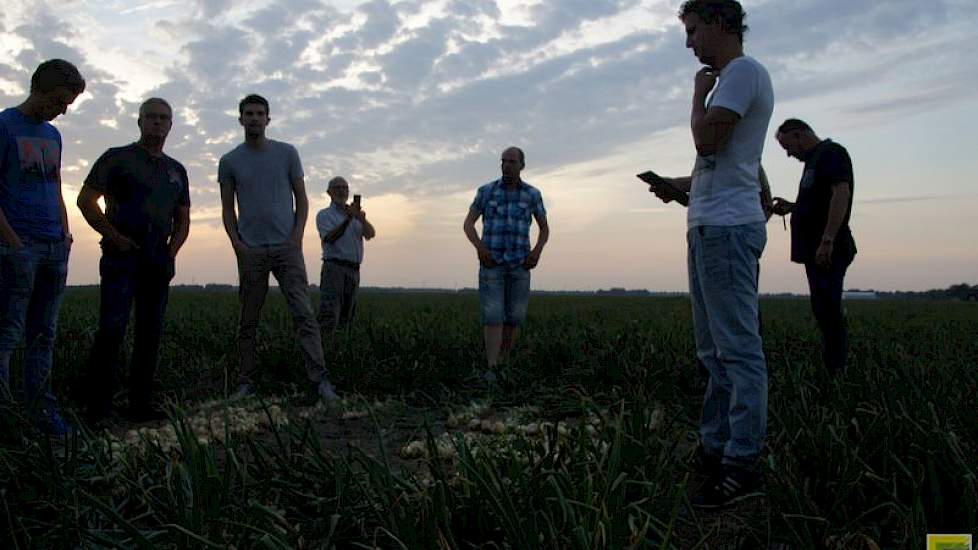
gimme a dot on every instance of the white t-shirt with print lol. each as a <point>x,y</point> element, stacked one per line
<point>725,186</point>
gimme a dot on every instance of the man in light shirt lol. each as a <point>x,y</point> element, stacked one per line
<point>264,179</point>
<point>342,229</point>
<point>731,108</point>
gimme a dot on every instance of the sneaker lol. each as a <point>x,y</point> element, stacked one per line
<point>728,486</point>
<point>706,463</point>
<point>326,391</point>
<point>52,423</point>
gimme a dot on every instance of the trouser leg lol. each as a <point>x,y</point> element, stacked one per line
<point>825,290</point>
<point>289,269</point>
<point>116,292</point>
<point>253,269</point>
<point>42,322</point>
<point>152,294</point>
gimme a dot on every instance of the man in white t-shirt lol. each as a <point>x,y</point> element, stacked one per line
<point>342,229</point>
<point>726,236</point>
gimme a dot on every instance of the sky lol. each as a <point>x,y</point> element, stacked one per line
<point>413,101</point>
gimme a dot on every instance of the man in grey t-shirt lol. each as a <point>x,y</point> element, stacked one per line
<point>726,236</point>
<point>265,176</point>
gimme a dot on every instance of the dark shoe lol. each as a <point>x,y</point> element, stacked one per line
<point>706,463</point>
<point>326,392</point>
<point>144,413</point>
<point>727,487</point>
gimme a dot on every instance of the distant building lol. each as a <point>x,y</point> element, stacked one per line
<point>859,295</point>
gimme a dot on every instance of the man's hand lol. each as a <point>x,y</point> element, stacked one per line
<point>12,240</point>
<point>666,193</point>
<point>782,207</point>
<point>532,259</point>
<point>121,243</point>
<point>239,246</point>
<point>706,79</point>
<point>485,257</point>
<point>823,256</point>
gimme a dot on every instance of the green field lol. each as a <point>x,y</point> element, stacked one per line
<point>583,445</point>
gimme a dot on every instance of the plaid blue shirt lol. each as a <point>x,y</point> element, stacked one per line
<point>506,218</point>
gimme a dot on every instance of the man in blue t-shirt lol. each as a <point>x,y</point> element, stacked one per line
<point>34,236</point>
<point>507,207</point>
<point>145,223</point>
<point>820,235</point>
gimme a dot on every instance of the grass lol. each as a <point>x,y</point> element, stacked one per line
<point>879,458</point>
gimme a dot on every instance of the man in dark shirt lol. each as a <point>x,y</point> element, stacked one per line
<point>820,235</point>
<point>146,221</point>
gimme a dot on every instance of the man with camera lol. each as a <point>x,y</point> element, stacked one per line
<point>342,230</point>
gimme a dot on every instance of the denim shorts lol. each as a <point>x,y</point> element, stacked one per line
<point>504,292</point>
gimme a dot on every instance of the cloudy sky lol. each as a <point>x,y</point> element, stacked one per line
<point>414,100</point>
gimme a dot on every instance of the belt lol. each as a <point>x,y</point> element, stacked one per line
<point>352,265</point>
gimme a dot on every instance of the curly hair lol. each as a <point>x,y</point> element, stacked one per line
<point>729,13</point>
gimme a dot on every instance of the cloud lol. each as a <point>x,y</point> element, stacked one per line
<point>418,97</point>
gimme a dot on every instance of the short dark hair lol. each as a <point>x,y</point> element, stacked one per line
<point>253,98</point>
<point>729,13</point>
<point>154,101</point>
<point>55,73</point>
<point>794,124</point>
<point>519,151</point>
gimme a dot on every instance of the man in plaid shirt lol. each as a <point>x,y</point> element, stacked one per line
<point>506,207</point>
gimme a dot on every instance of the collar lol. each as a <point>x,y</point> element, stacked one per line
<point>519,187</point>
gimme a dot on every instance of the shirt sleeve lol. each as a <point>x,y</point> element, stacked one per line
<point>184,199</point>
<point>4,138</point>
<point>538,207</point>
<point>295,164</point>
<point>98,176</point>
<point>736,89</point>
<point>479,203</point>
<point>224,173</point>
<point>325,223</point>
<point>835,166</point>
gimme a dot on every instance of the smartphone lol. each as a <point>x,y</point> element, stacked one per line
<point>651,178</point>
<point>356,201</point>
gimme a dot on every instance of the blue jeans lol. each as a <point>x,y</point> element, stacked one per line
<point>723,269</point>
<point>504,292</point>
<point>128,277</point>
<point>32,282</point>
<point>825,289</point>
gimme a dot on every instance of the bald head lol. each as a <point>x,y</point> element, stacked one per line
<point>512,163</point>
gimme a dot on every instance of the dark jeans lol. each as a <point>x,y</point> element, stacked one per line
<point>825,289</point>
<point>32,281</point>
<point>127,278</point>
